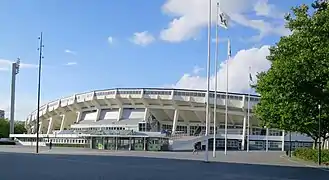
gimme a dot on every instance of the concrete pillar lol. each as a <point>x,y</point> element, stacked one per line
<point>79,114</point>
<point>63,122</point>
<point>282,140</point>
<point>244,128</point>
<point>144,139</point>
<point>50,125</point>
<point>116,140</point>
<point>129,143</point>
<point>146,114</point>
<point>188,129</point>
<point>91,142</point>
<point>98,113</point>
<point>120,114</point>
<point>40,127</point>
<point>175,120</point>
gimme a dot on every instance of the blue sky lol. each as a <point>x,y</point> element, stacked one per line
<point>80,57</point>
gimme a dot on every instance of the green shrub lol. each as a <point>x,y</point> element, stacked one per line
<point>309,154</point>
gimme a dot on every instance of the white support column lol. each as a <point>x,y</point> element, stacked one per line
<point>146,114</point>
<point>50,125</point>
<point>40,127</point>
<point>282,140</point>
<point>244,128</point>
<point>98,113</point>
<point>79,114</point>
<point>63,123</point>
<point>188,129</point>
<point>120,114</point>
<point>175,120</point>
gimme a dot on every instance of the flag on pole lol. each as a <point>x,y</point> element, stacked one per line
<point>250,77</point>
<point>223,20</point>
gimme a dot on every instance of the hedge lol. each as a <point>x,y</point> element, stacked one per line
<point>310,154</point>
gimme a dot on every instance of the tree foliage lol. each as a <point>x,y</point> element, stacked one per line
<point>298,80</point>
<point>4,128</point>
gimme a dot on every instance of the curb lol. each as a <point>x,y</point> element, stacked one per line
<point>304,164</point>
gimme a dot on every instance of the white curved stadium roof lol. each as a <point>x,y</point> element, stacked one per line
<point>155,98</point>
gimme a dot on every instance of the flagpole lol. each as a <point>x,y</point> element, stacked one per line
<point>208,84</point>
<point>215,97</point>
<point>226,97</point>
<point>248,110</point>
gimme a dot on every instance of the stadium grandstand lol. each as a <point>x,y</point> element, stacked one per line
<point>153,119</point>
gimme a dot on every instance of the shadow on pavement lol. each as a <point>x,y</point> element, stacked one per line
<point>18,166</point>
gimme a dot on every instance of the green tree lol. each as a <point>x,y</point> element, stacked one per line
<point>298,80</point>
<point>20,127</point>
<point>4,128</point>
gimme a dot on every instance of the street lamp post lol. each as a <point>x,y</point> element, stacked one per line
<point>319,149</point>
<point>15,71</point>
<point>290,143</point>
<point>39,88</point>
<point>266,138</point>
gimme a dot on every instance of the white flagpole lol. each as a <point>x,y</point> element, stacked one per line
<point>226,97</point>
<point>215,97</point>
<point>208,83</point>
<point>248,110</point>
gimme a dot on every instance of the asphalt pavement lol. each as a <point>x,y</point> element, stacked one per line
<point>84,164</point>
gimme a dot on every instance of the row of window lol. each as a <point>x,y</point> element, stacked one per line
<point>66,141</point>
<point>194,130</point>
<point>56,140</point>
<point>99,128</point>
<point>129,92</point>
<point>104,93</point>
<point>177,93</point>
<point>157,92</point>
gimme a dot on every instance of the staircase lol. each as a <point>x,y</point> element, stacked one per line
<point>154,124</point>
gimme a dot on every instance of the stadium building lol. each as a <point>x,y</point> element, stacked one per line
<point>2,114</point>
<point>152,119</point>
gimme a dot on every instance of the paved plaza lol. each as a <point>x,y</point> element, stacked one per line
<point>19,162</point>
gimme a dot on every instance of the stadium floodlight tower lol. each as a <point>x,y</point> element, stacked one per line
<point>15,71</point>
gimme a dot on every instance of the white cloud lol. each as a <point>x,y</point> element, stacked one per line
<point>110,40</point>
<point>190,16</point>
<point>71,63</point>
<point>238,71</point>
<point>263,8</point>
<point>142,38</point>
<point>70,52</point>
<point>5,65</point>
<point>197,69</point>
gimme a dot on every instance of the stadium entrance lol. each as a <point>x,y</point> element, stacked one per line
<point>130,143</point>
